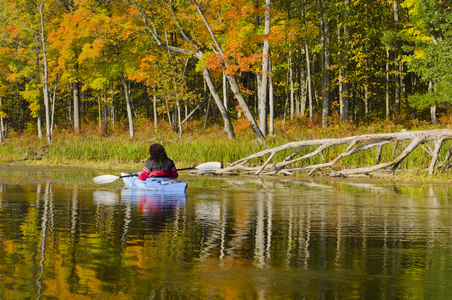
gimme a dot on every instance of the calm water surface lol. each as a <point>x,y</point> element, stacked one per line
<point>228,238</point>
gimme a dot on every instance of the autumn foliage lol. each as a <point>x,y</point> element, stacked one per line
<point>66,64</point>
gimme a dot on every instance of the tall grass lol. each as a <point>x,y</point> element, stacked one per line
<point>194,146</point>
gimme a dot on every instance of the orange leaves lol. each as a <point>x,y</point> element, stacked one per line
<point>12,77</point>
<point>233,62</point>
<point>242,123</point>
<point>235,27</point>
<point>146,71</point>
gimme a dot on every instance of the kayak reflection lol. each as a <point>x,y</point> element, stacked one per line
<point>158,209</point>
<point>152,201</point>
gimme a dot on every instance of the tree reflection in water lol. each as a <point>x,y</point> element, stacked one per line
<point>308,240</point>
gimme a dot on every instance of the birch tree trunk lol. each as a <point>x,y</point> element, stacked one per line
<point>290,87</point>
<point>53,107</point>
<point>179,118</point>
<point>271,100</point>
<point>99,110</point>
<point>129,107</point>
<point>224,113</point>
<point>112,107</point>
<point>39,121</point>
<point>146,101</point>
<point>76,94</point>
<point>265,67</point>
<point>225,92</point>
<point>105,113</point>
<point>45,77</point>
<point>433,107</point>
<point>168,113</point>
<point>303,94</point>
<point>154,102</point>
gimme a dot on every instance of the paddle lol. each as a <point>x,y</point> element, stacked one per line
<point>208,166</point>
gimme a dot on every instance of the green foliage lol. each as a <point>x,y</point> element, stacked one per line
<point>432,58</point>
<point>433,61</point>
<point>442,93</point>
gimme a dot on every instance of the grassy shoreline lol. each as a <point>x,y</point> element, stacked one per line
<point>119,152</point>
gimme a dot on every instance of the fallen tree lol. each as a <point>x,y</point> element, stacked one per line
<point>309,155</point>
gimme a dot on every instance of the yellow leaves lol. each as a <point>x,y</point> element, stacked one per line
<point>3,89</point>
<point>31,93</point>
<point>419,54</point>
<point>91,51</point>
<point>409,4</point>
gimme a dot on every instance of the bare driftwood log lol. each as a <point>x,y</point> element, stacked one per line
<point>356,144</point>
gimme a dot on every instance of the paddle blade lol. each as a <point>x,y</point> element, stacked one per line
<point>105,179</point>
<point>209,166</point>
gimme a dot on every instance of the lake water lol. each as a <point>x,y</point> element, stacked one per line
<point>62,236</point>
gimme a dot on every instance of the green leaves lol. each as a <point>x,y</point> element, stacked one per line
<point>442,93</point>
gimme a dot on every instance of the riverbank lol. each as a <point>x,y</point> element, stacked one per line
<point>119,152</point>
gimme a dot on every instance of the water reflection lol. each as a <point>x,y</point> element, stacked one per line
<point>159,210</point>
<point>46,220</point>
<point>306,240</point>
<point>151,201</point>
<point>105,197</point>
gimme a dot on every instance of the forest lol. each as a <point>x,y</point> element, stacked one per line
<point>112,63</point>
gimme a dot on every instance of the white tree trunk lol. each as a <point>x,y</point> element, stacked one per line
<point>265,67</point>
<point>225,92</point>
<point>271,101</point>
<point>129,106</point>
<point>76,95</point>
<point>39,121</point>
<point>45,77</point>
<point>154,102</point>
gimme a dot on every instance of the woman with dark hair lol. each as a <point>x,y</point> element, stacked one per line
<point>158,164</point>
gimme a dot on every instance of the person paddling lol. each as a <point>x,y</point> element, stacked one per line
<point>158,164</point>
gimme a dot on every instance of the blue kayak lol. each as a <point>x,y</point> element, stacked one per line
<point>156,184</point>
